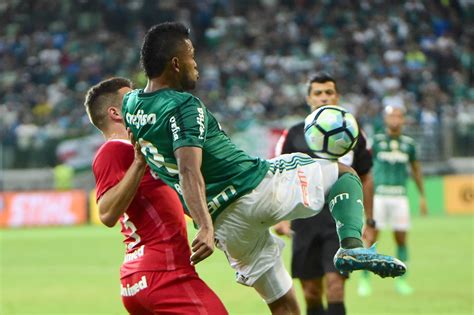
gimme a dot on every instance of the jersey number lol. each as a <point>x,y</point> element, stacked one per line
<point>133,229</point>
<point>157,159</point>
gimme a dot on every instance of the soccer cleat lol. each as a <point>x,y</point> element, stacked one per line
<point>350,259</point>
<point>364,288</point>
<point>402,287</point>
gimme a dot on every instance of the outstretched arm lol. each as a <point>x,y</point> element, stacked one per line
<point>368,193</point>
<point>194,194</point>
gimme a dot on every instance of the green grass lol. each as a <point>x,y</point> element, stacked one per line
<point>74,270</point>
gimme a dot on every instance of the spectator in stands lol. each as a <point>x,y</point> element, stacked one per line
<point>254,56</point>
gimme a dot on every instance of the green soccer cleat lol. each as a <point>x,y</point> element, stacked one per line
<point>364,288</point>
<point>402,287</point>
<point>368,259</point>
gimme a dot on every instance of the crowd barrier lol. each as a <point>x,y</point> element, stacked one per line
<point>452,194</point>
<point>43,208</point>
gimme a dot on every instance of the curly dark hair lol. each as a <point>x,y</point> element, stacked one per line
<point>160,44</point>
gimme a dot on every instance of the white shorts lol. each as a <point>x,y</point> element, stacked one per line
<point>391,211</point>
<point>294,187</point>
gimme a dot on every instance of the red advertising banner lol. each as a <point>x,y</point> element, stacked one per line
<point>40,208</point>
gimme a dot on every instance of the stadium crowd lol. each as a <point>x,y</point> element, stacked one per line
<point>254,59</point>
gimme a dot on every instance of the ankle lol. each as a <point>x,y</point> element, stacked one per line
<point>351,242</point>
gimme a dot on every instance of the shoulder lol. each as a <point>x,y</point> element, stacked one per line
<point>182,97</point>
<point>407,139</point>
<point>168,96</point>
<point>298,128</point>
<point>181,102</point>
<point>111,150</point>
<point>295,131</point>
<point>187,99</point>
<point>115,145</point>
<point>129,100</point>
<point>130,95</point>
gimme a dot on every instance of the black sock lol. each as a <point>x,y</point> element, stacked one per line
<point>337,308</point>
<point>351,242</point>
<point>316,310</point>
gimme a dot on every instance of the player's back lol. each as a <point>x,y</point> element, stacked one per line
<point>166,120</point>
<point>153,225</point>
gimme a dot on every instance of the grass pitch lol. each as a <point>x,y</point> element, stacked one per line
<point>75,270</point>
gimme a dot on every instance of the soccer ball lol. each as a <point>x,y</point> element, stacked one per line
<point>331,132</point>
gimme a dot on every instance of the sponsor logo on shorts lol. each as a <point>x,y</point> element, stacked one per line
<point>139,252</point>
<point>304,186</point>
<point>240,278</point>
<point>131,290</point>
<point>336,199</point>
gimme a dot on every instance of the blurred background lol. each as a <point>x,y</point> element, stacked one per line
<point>254,59</point>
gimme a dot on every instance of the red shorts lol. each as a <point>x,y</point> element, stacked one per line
<point>169,292</point>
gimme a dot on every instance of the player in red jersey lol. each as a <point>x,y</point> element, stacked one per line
<point>156,275</point>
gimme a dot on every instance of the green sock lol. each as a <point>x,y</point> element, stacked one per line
<point>346,205</point>
<point>402,253</point>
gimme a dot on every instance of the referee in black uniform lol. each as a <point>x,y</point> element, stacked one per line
<point>315,240</point>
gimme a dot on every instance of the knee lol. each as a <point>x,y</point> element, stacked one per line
<point>286,309</point>
<point>313,295</point>
<point>343,169</point>
<point>335,289</point>
<point>285,305</point>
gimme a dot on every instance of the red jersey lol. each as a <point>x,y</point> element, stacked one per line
<point>153,225</point>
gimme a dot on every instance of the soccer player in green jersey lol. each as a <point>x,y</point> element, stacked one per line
<point>392,153</point>
<point>233,198</point>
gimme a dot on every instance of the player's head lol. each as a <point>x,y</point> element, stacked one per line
<point>104,102</point>
<point>322,91</point>
<point>167,52</point>
<point>394,118</point>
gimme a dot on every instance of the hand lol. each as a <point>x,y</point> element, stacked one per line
<point>283,228</point>
<point>423,207</point>
<point>202,245</point>
<point>139,157</point>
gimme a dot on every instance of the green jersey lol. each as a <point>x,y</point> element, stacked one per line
<point>165,120</point>
<point>391,158</point>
